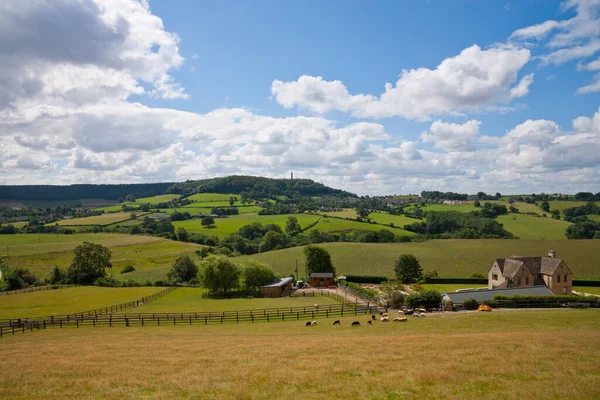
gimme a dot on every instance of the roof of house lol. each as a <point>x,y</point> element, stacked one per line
<point>321,275</point>
<point>481,295</point>
<point>281,282</point>
<point>536,265</point>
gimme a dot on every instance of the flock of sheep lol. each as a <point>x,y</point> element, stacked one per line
<point>383,317</point>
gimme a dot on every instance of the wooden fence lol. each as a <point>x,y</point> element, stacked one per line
<point>189,318</point>
<point>356,293</point>
<point>35,289</point>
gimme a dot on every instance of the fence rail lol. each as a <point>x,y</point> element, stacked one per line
<point>189,318</point>
<point>35,289</point>
<point>358,294</point>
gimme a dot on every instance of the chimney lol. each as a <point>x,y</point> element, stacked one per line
<point>551,253</point>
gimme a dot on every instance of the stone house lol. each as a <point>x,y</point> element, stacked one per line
<point>515,272</point>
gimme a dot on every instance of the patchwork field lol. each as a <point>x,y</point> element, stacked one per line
<point>163,198</point>
<point>458,258</point>
<point>445,356</point>
<point>379,217</point>
<point>97,220</point>
<point>68,300</point>
<point>531,227</point>
<point>342,225</point>
<point>190,300</point>
<point>40,253</point>
<point>195,209</point>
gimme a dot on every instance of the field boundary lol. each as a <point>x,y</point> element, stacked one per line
<point>35,289</point>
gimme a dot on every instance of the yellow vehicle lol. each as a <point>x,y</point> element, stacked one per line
<point>484,307</point>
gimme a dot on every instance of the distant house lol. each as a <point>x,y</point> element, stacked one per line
<point>321,279</point>
<point>488,294</point>
<point>517,272</point>
<point>277,289</point>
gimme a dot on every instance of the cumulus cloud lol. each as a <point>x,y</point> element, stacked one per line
<point>470,81</point>
<point>522,89</point>
<point>453,137</point>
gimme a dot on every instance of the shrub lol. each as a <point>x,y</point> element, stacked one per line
<point>396,299</point>
<point>183,270</point>
<point>128,268</point>
<point>477,275</point>
<point>108,281</point>
<point>470,304</point>
<point>431,274</point>
<point>426,298</point>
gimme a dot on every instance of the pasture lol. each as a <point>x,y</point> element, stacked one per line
<point>163,198</point>
<point>451,287</point>
<point>343,225</point>
<point>444,356</point>
<point>210,197</point>
<point>68,300</point>
<point>195,209</point>
<point>560,205</point>
<point>531,227</point>
<point>97,220</point>
<point>450,258</point>
<point>379,217</point>
<point>40,253</point>
<point>190,300</point>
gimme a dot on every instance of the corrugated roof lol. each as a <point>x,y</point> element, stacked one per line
<point>281,282</point>
<point>481,295</point>
<point>321,275</point>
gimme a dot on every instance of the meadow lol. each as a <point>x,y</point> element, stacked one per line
<point>379,217</point>
<point>446,356</point>
<point>190,300</point>
<point>195,209</point>
<point>560,205</point>
<point>531,227</point>
<point>204,197</point>
<point>68,300</point>
<point>450,258</point>
<point>342,225</point>
<point>40,253</point>
<point>163,198</point>
<point>97,220</point>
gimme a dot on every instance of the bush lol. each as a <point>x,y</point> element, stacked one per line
<point>426,298</point>
<point>396,299</point>
<point>108,281</point>
<point>470,304</point>
<point>183,270</point>
<point>128,268</point>
<point>477,275</point>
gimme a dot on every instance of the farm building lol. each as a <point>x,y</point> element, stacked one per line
<point>515,272</point>
<point>321,279</point>
<point>277,289</point>
<point>488,294</point>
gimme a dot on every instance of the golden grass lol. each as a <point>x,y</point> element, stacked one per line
<point>500,355</point>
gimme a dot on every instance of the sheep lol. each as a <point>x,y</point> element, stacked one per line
<point>370,322</point>
<point>373,317</point>
<point>308,323</point>
<point>398,319</point>
<point>384,314</point>
<point>313,323</point>
<point>422,310</point>
<point>356,323</point>
<point>337,322</point>
<point>384,319</point>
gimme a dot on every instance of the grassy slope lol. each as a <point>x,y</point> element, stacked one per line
<point>587,289</point>
<point>229,225</point>
<point>379,217</point>
<point>70,300</point>
<point>531,227</point>
<point>190,300</point>
<point>163,198</point>
<point>197,208</point>
<point>560,205</point>
<point>448,257</point>
<point>553,354</point>
<point>104,219</point>
<point>202,197</point>
<point>143,252</point>
<point>340,225</point>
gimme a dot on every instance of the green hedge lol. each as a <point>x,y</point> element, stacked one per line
<point>577,282</point>
<point>365,279</point>
<point>456,280</point>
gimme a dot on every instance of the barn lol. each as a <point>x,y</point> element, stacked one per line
<point>321,279</point>
<point>277,289</point>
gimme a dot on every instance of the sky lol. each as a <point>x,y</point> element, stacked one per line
<point>384,97</point>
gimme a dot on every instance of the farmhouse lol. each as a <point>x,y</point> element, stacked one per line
<point>277,289</point>
<point>486,294</point>
<point>321,279</point>
<point>548,271</point>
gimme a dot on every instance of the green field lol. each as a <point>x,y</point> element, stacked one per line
<point>233,223</point>
<point>98,220</point>
<point>69,300</point>
<point>554,355</point>
<point>443,288</point>
<point>163,198</point>
<point>594,217</point>
<point>40,253</point>
<point>190,300</point>
<point>588,289</point>
<point>18,224</point>
<point>195,209</point>
<point>380,217</point>
<point>457,258</point>
<point>343,225</point>
<point>560,205</point>
<point>204,197</point>
<point>466,208</point>
<point>531,227</point>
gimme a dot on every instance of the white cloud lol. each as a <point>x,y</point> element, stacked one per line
<point>453,137</point>
<point>470,81</point>
<point>522,89</point>
<point>536,31</point>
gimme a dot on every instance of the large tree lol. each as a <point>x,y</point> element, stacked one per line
<point>183,270</point>
<point>292,227</point>
<point>318,259</point>
<point>219,274</point>
<point>90,263</point>
<point>208,221</point>
<point>408,269</point>
<point>255,274</point>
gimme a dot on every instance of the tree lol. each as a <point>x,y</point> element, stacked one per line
<point>318,259</point>
<point>145,207</point>
<point>90,263</point>
<point>182,234</point>
<point>408,269</point>
<point>183,270</point>
<point>219,274</point>
<point>292,227</point>
<point>498,195</point>
<point>231,201</point>
<point>208,221</point>
<point>272,241</point>
<point>555,214</point>
<point>477,203</point>
<point>582,230</point>
<point>130,198</point>
<point>362,212</point>
<point>256,274</point>
<point>545,206</point>
<point>56,276</point>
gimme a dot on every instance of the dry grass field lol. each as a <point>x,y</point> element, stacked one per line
<point>545,354</point>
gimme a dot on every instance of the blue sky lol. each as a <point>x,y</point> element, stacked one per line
<point>197,89</point>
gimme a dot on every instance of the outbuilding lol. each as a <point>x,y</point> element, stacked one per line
<point>277,289</point>
<point>488,294</point>
<point>321,279</point>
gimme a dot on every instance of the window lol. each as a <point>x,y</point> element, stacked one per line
<point>527,280</point>
<point>565,278</point>
<point>558,278</point>
<point>565,290</point>
<point>494,277</point>
<point>519,281</point>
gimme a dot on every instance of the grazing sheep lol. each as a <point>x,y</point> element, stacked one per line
<point>398,319</point>
<point>384,319</point>
<point>422,314</point>
<point>381,313</point>
<point>308,323</point>
<point>422,310</point>
<point>370,322</point>
<point>410,311</point>
<point>337,322</point>
<point>373,317</point>
<point>384,314</point>
<point>356,323</point>
<point>313,323</point>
